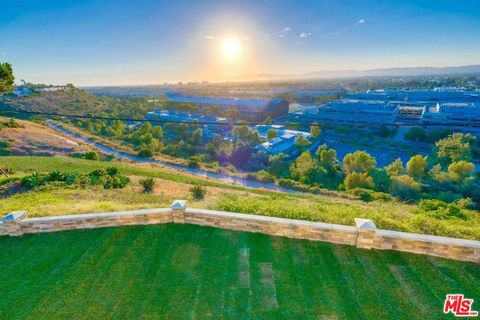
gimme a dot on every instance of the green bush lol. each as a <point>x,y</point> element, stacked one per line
<point>91,155</point>
<point>33,181</point>
<point>145,153</point>
<point>148,184</point>
<point>440,210</point>
<point>55,176</point>
<point>112,171</point>
<point>71,178</point>
<point>198,192</point>
<point>192,163</point>
<point>370,195</point>
<point>264,176</point>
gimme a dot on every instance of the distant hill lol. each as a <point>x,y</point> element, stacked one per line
<point>389,72</point>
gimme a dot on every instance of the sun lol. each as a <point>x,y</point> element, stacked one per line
<point>231,48</point>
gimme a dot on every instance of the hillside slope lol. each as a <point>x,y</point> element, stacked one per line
<point>30,138</point>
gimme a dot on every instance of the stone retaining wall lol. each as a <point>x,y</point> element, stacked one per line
<point>273,226</point>
<point>363,235</point>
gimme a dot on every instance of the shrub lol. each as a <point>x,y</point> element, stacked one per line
<point>192,163</point>
<point>145,153</point>
<point>55,176</point>
<point>33,181</point>
<point>71,178</point>
<point>405,188</point>
<point>112,171</point>
<point>91,155</point>
<point>370,195</point>
<point>148,184</point>
<point>264,176</point>
<point>116,182</point>
<point>439,210</point>
<point>358,180</point>
<point>198,192</point>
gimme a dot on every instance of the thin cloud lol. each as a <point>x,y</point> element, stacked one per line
<point>209,37</point>
<point>246,38</point>
<point>305,34</point>
<point>281,36</point>
<point>287,29</point>
<point>361,21</point>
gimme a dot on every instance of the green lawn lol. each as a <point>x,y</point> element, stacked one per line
<point>190,272</point>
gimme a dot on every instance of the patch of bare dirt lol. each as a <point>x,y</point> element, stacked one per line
<point>34,139</point>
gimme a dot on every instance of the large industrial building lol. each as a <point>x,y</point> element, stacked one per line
<point>450,94</point>
<point>362,111</point>
<point>251,109</point>
<point>461,114</point>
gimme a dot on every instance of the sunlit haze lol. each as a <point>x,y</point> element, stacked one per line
<point>149,42</point>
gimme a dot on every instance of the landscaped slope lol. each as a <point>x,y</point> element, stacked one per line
<point>59,199</point>
<point>190,272</point>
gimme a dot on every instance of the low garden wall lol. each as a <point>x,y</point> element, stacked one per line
<point>363,235</point>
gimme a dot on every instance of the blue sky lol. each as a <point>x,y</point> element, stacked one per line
<point>146,42</point>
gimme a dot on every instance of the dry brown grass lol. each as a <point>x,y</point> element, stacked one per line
<point>36,139</point>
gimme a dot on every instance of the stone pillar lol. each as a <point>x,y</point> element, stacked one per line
<point>366,230</point>
<point>178,211</point>
<point>11,223</point>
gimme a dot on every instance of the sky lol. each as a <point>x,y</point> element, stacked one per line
<point>117,42</point>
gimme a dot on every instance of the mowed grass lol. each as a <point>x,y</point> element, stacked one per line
<point>191,272</point>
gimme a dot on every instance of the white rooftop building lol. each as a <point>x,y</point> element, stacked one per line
<point>461,114</point>
<point>283,143</point>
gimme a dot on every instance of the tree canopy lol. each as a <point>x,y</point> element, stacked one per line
<point>6,77</point>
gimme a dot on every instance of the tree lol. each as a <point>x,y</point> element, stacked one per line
<point>359,161</point>
<point>358,180</point>
<point>6,77</point>
<point>416,167</point>
<point>455,147</point>
<point>145,153</point>
<point>267,121</point>
<point>197,137</point>
<point>302,143</point>
<point>271,134</point>
<point>326,156</point>
<point>278,165</point>
<point>415,134</point>
<point>381,180</point>
<point>303,167</point>
<point>232,114</point>
<point>145,128</point>
<point>157,132</point>
<point>315,130</point>
<point>405,188</point>
<point>91,155</point>
<point>459,171</point>
<point>395,168</point>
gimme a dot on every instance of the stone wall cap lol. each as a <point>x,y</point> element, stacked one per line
<point>365,224</point>
<point>88,216</point>
<point>16,215</point>
<point>284,221</point>
<point>429,238</point>
<point>179,205</point>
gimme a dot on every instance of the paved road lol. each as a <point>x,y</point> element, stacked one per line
<point>217,176</point>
